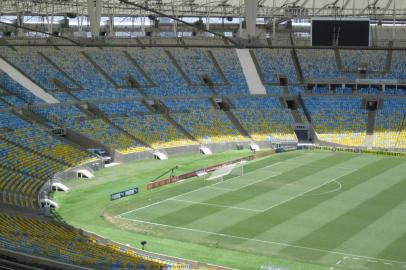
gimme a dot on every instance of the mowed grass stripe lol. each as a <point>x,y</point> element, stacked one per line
<point>397,248</point>
<point>292,176</point>
<point>173,192</point>
<point>384,231</point>
<point>192,213</point>
<point>333,234</point>
<point>268,220</point>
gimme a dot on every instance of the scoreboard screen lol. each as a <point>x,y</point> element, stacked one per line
<point>340,32</point>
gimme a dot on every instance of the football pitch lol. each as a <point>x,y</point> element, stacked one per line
<point>331,210</point>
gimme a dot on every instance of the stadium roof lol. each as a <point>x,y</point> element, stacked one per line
<point>213,8</point>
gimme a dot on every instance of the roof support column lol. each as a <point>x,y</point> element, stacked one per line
<point>251,11</point>
<point>94,8</point>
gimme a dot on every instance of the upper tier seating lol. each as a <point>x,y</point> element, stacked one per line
<point>157,64</point>
<point>230,64</point>
<point>196,63</point>
<point>28,61</point>
<point>374,61</point>
<point>338,120</point>
<point>398,67</point>
<point>390,125</point>
<point>17,95</point>
<point>117,65</point>
<point>274,62</point>
<point>318,64</point>
<point>94,84</point>
<point>60,242</point>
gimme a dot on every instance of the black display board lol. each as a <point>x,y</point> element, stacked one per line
<point>341,32</point>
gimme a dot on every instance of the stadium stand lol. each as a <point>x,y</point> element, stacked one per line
<point>318,64</point>
<point>93,84</point>
<point>14,93</point>
<point>27,60</point>
<point>275,62</point>
<point>9,121</point>
<point>45,238</point>
<point>125,108</point>
<point>153,129</point>
<point>115,63</point>
<point>208,126</point>
<point>390,127</point>
<point>196,63</point>
<point>93,128</point>
<point>186,105</point>
<point>332,125</point>
<point>264,118</point>
<point>373,61</point>
<point>157,64</point>
<point>230,64</point>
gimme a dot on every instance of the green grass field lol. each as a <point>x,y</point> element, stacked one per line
<point>297,210</point>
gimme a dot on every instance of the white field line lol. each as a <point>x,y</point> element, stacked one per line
<point>174,197</point>
<point>265,241</point>
<point>369,260</point>
<point>219,188</point>
<point>327,192</point>
<point>315,166</point>
<point>217,205</point>
<point>195,190</point>
<point>307,191</point>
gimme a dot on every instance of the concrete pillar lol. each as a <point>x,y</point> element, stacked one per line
<point>94,8</point>
<point>20,23</point>
<point>251,11</point>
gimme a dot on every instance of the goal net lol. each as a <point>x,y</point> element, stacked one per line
<point>226,172</point>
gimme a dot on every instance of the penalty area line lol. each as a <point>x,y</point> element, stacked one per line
<point>218,205</point>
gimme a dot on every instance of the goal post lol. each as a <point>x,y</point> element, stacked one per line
<point>226,172</point>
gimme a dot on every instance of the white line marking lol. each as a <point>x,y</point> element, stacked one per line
<point>339,262</point>
<point>220,188</point>
<point>210,186</point>
<point>327,192</point>
<point>217,205</point>
<point>264,241</point>
<point>307,191</point>
<point>315,166</point>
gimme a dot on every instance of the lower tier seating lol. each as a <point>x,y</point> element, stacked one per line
<point>208,126</point>
<point>390,126</point>
<point>274,124</point>
<point>46,238</point>
<point>338,120</point>
<point>154,130</point>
